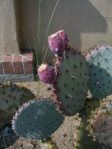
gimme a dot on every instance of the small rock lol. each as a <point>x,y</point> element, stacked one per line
<point>28,146</point>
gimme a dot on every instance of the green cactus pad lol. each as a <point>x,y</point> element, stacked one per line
<point>100,122</point>
<point>100,69</point>
<point>37,119</point>
<point>71,84</point>
<point>12,96</point>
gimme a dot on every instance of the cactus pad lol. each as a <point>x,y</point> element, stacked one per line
<point>12,96</point>
<point>100,67</point>
<point>37,119</point>
<point>72,81</point>
<point>100,122</point>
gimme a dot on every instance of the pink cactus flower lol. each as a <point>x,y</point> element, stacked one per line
<point>58,42</point>
<point>47,73</point>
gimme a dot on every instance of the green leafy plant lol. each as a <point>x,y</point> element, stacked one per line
<point>39,55</point>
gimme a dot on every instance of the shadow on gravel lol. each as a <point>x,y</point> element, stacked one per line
<point>7,137</point>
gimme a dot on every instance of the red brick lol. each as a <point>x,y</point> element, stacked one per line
<point>7,64</point>
<point>17,64</point>
<point>28,55</point>
<point>27,63</point>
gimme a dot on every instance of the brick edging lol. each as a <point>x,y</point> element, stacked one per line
<point>16,64</point>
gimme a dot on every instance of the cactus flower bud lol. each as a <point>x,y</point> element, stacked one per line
<point>47,73</point>
<point>58,42</point>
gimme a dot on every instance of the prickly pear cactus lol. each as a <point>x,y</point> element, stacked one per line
<point>71,85</point>
<point>11,96</point>
<point>71,74</point>
<point>100,69</point>
<point>37,119</point>
<point>100,122</point>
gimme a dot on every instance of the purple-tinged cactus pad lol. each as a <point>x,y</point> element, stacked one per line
<point>100,71</point>
<point>47,73</point>
<point>37,119</point>
<point>71,85</point>
<point>100,122</point>
<point>58,42</point>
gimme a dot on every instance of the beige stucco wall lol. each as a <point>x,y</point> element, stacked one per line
<point>8,36</point>
<point>86,21</point>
